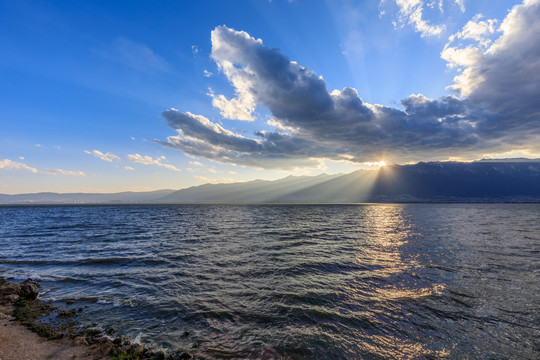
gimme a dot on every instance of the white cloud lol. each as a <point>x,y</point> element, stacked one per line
<point>468,56</point>
<point>7,164</point>
<point>106,157</point>
<point>461,4</point>
<point>207,73</point>
<point>148,160</point>
<point>194,49</point>
<point>62,172</point>
<point>506,73</point>
<point>213,171</point>
<point>129,168</point>
<point>196,163</point>
<point>477,30</point>
<point>412,12</point>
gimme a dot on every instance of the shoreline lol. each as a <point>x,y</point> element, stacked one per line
<point>35,329</point>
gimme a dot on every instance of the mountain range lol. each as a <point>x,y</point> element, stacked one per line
<point>506,180</point>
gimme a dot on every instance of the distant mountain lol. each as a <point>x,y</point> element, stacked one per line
<point>507,180</point>
<point>484,180</point>
<point>85,198</point>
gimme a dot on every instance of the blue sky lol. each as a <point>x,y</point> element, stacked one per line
<point>87,89</point>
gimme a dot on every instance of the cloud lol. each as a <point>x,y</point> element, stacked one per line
<point>461,5</point>
<point>503,83</point>
<point>499,107</point>
<point>129,168</point>
<point>220,180</point>
<point>148,160</point>
<point>62,172</point>
<point>7,164</point>
<point>412,12</point>
<point>207,73</point>
<point>477,30</point>
<point>106,157</point>
<point>196,163</point>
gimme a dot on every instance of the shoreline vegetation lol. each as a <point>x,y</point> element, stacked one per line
<point>32,328</point>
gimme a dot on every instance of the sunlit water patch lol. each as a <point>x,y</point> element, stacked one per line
<point>297,281</point>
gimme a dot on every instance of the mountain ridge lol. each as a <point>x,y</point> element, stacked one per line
<point>504,180</point>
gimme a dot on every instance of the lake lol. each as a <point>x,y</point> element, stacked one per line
<point>366,281</point>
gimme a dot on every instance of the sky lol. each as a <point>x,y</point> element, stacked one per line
<point>107,96</point>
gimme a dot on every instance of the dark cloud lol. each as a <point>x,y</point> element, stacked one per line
<point>502,101</point>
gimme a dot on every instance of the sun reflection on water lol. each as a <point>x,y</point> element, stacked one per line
<point>390,283</point>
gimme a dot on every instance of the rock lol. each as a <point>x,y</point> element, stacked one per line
<point>11,298</point>
<point>180,356</point>
<point>186,333</point>
<point>106,349</point>
<point>29,290</point>
<point>110,331</point>
<point>80,340</point>
<point>159,355</point>
<point>122,340</point>
<point>102,339</point>
<point>9,289</point>
<point>137,349</point>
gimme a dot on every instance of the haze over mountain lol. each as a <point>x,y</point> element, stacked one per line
<point>507,180</point>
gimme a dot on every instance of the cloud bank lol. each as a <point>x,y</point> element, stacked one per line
<point>499,85</point>
<point>7,164</point>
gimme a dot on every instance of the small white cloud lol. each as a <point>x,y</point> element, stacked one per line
<point>207,73</point>
<point>133,138</point>
<point>195,49</point>
<point>62,172</point>
<point>412,12</point>
<point>37,145</point>
<point>7,164</point>
<point>461,5</point>
<point>129,168</point>
<point>477,30</point>
<point>196,163</point>
<point>148,160</point>
<point>21,157</point>
<point>106,157</point>
<point>213,171</point>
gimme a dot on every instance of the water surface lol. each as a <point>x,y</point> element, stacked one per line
<point>292,281</point>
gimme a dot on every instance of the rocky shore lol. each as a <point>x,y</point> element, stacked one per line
<point>60,336</point>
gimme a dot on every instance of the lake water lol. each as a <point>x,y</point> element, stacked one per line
<point>292,281</point>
